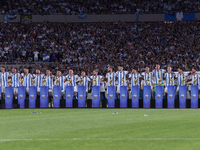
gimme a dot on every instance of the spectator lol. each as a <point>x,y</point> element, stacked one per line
<point>35,55</point>
<point>53,56</point>
<point>89,46</point>
<point>60,7</point>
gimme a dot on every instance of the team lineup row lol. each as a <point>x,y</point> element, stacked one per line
<point>119,78</point>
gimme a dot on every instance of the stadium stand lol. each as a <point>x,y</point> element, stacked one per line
<point>131,45</point>
<point>62,7</point>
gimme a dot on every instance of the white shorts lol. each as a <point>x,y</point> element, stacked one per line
<point>118,89</point>
<point>177,90</point>
<point>75,89</point>
<point>3,89</point>
<point>165,90</point>
<point>63,92</point>
<point>50,92</point>
<point>38,89</point>
<point>189,88</point>
<point>15,90</point>
<point>27,90</point>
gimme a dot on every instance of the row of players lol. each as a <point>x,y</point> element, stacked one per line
<point>119,78</point>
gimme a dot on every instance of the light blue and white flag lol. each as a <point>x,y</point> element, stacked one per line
<point>46,57</point>
<point>7,17</point>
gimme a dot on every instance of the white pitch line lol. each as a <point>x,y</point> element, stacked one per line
<point>105,139</point>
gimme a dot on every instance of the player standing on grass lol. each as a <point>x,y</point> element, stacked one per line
<point>147,78</point>
<point>26,78</point>
<point>48,81</point>
<point>4,80</point>
<point>59,80</point>
<point>15,81</point>
<point>121,78</point>
<point>37,80</point>
<point>71,81</point>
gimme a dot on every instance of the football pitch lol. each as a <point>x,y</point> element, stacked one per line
<point>56,129</point>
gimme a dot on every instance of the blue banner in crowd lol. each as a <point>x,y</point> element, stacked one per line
<point>21,96</point>
<point>56,96</point>
<point>170,17</point>
<point>137,17</point>
<point>9,97</point>
<point>135,96</point>
<point>96,96</point>
<point>46,57</point>
<point>111,96</point>
<point>7,17</point>
<point>146,96</point>
<point>12,16</point>
<point>69,95</point>
<point>44,96</point>
<point>182,96</point>
<point>189,16</point>
<point>194,96</point>
<point>81,96</point>
<point>186,17</point>
<point>170,96</point>
<point>123,96</point>
<point>159,97</point>
<point>32,96</point>
<point>82,16</point>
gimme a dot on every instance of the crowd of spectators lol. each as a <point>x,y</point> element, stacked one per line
<point>89,46</point>
<point>63,7</point>
<point>185,6</point>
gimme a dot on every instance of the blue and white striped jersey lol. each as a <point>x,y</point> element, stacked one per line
<point>195,79</point>
<point>169,79</point>
<point>48,82</point>
<point>96,80</point>
<point>15,79</point>
<point>148,79</point>
<point>38,79</point>
<point>135,78</point>
<point>27,80</point>
<point>111,79</point>
<point>181,79</point>
<point>72,80</point>
<point>121,76</point>
<point>84,82</point>
<point>4,79</point>
<point>61,82</point>
<point>158,74</point>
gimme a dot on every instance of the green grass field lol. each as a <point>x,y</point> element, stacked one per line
<point>56,129</point>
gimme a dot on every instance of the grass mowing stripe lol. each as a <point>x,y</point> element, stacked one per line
<point>99,129</point>
<point>105,139</point>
